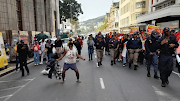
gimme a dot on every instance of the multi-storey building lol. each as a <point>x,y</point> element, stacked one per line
<point>129,11</point>
<point>163,13</point>
<point>28,17</point>
<point>114,17</point>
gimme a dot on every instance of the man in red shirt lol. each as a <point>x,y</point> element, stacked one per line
<point>80,40</point>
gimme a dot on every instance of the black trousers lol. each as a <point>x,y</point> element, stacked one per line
<point>23,62</point>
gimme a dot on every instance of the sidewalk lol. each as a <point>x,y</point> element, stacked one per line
<point>12,67</point>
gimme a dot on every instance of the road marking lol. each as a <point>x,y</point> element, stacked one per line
<point>11,88</point>
<point>18,80</point>
<point>162,96</point>
<point>5,96</point>
<point>9,96</point>
<point>102,83</point>
<point>176,73</point>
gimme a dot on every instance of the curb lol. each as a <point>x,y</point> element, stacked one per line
<point>11,70</point>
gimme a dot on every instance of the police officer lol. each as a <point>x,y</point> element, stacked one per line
<point>134,45</point>
<point>99,43</point>
<point>114,45</point>
<point>151,53</point>
<point>166,45</point>
<point>107,38</point>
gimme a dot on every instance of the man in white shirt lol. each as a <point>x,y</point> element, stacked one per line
<point>70,61</point>
<point>44,53</point>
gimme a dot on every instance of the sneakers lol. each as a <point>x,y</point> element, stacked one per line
<point>124,65</point>
<point>163,85</point>
<point>156,76</point>
<point>41,63</point>
<point>35,64</point>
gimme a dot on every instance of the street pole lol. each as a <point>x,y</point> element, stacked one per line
<point>56,19</point>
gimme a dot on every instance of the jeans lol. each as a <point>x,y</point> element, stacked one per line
<point>124,58</point>
<point>90,51</point>
<point>17,62</point>
<point>49,56</point>
<point>154,61</point>
<point>36,57</point>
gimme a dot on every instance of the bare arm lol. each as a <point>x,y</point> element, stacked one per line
<point>79,56</point>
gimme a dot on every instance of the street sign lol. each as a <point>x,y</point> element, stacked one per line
<point>134,29</point>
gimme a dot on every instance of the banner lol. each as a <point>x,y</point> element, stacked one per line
<point>150,28</point>
<point>134,29</point>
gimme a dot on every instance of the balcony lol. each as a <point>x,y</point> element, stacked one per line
<point>164,12</point>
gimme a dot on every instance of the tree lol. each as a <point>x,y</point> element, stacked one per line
<point>69,9</point>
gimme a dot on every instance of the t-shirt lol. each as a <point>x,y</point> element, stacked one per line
<point>70,57</point>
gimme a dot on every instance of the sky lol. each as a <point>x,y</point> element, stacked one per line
<point>94,8</point>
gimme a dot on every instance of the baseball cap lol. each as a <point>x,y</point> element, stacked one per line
<point>22,41</point>
<point>166,29</point>
<point>136,33</point>
<point>154,33</point>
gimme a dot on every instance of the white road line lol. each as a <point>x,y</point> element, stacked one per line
<point>162,96</point>
<point>5,96</point>
<point>102,83</point>
<point>176,73</point>
<point>19,89</point>
<point>11,88</point>
<point>18,80</point>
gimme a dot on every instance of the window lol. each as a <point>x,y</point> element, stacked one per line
<point>141,4</point>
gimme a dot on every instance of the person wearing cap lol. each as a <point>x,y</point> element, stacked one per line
<point>23,51</point>
<point>114,45</point>
<point>99,43</point>
<point>70,41</point>
<point>166,45</point>
<point>134,45</point>
<point>151,53</point>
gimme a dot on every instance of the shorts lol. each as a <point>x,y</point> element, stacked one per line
<point>67,66</point>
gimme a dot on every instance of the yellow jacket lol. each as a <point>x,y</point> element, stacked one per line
<point>15,50</point>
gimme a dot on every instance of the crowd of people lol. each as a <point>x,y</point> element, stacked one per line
<point>156,48</point>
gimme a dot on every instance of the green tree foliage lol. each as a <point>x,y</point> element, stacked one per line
<point>104,26</point>
<point>69,8</point>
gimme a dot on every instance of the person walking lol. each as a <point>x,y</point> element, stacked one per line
<point>80,41</point>
<point>70,61</point>
<point>166,44</point>
<point>107,38</point>
<point>151,53</point>
<point>99,49</point>
<point>44,51</point>
<point>90,43</point>
<point>134,45</point>
<point>49,47</point>
<point>36,49</point>
<point>23,51</point>
<point>78,47</point>
<point>58,46</point>
<point>17,55</point>
<point>123,48</point>
<point>114,45</point>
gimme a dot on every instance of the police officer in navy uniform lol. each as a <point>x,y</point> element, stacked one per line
<point>166,45</point>
<point>134,45</point>
<point>151,53</point>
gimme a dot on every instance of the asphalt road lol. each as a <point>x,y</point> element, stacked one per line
<point>105,83</point>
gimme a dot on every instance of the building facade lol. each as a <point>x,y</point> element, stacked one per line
<point>130,10</point>
<point>114,17</point>
<point>162,13</point>
<point>28,17</point>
